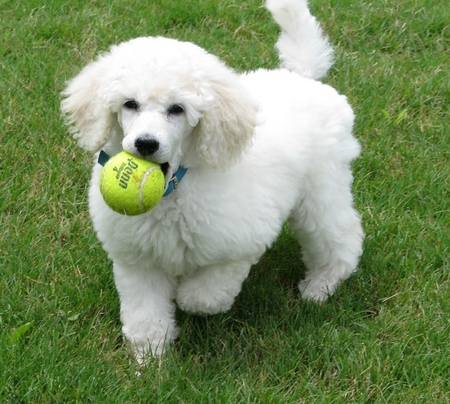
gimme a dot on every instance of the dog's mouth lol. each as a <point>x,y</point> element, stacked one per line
<point>165,168</point>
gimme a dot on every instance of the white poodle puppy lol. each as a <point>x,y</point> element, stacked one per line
<point>256,150</point>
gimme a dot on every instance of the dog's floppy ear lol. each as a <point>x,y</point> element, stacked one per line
<point>227,125</point>
<point>84,107</point>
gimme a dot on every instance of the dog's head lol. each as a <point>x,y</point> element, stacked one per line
<point>167,101</point>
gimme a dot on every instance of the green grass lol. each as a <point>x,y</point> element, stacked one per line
<point>383,337</point>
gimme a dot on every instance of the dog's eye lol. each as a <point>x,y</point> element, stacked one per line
<point>131,104</point>
<point>176,109</point>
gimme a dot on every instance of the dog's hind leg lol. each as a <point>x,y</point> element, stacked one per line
<point>212,289</point>
<point>330,233</point>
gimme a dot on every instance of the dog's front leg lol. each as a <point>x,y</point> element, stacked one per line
<point>212,289</point>
<point>147,308</point>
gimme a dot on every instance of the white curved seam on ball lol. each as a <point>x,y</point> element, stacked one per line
<point>141,187</point>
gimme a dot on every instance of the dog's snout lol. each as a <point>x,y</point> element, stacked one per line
<point>146,146</point>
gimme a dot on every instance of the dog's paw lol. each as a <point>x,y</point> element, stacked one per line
<point>144,353</point>
<point>151,344</point>
<point>212,290</point>
<point>316,291</point>
<point>203,300</point>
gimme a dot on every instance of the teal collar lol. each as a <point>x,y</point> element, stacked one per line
<point>103,157</point>
<point>175,180</point>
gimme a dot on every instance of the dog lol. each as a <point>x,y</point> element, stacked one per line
<point>257,150</point>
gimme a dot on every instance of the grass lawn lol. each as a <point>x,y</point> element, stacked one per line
<point>383,337</point>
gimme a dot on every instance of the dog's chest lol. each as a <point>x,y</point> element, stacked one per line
<point>188,230</point>
<point>169,238</point>
<point>182,239</point>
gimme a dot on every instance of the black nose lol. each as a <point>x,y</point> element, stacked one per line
<point>146,146</point>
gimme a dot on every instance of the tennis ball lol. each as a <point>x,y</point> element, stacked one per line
<point>130,185</point>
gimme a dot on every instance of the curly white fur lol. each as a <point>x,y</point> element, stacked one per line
<point>261,149</point>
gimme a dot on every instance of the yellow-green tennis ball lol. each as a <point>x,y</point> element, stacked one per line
<point>130,185</point>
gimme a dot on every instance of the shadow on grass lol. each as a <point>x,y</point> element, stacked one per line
<point>270,308</point>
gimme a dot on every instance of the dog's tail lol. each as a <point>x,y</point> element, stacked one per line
<point>302,46</point>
